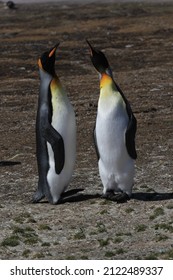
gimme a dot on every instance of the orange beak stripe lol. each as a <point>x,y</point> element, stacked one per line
<point>40,64</point>
<point>52,52</point>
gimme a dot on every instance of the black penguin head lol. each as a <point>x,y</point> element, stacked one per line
<point>99,61</point>
<point>47,61</point>
<point>11,5</point>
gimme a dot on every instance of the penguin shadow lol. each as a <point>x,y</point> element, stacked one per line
<point>154,196</point>
<point>75,195</point>
<point>9,163</point>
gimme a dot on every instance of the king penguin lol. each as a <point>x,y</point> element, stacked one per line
<point>114,134</point>
<point>55,133</point>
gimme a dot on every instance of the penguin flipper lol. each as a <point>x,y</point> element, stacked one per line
<point>95,143</point>
<point>130,136</point>
<point>56,141</point>
<point>59,152</point>
<point>131,128</point>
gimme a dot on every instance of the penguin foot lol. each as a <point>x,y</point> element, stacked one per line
<point>117,197</point>
<point>121,197</point>
<point>108,195</point>
<point>37,197</point>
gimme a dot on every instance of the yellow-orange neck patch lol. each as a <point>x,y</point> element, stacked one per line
<point>40,64</point>
<point>55,85</point>
<point>105,80</point>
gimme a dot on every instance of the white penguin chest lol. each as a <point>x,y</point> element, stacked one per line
<point>111,124</point>
<point>112,113</point>
<point>63,120</point>
<point>62,114</point>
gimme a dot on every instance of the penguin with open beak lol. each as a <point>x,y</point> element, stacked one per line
<point>55,133</point>
<point>114,134</point>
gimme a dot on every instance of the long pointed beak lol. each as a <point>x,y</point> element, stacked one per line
<point>99,60</point>
<point>53,50</point>
<point>91,48</point>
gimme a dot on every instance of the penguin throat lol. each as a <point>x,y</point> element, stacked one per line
<point>56,82</point>
<point>56,87</point>
<point>105,80</point>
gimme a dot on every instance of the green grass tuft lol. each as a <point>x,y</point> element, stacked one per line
<point>120,251</point>
<point>38,256</point>
<point>129,210</point>
<point>11,241</point>
<point>26,253</point>
<point>157,212</point>
<point>164,226</point>
<point>31,240</point>
<point>109,254</point>
<point>161,237</point>
<point>45,244</point>
<point>152,257</point>
<point>101,227</point>
<point>140,227</point>
<point>80,234</point>
<point>44,227</point>
<point>118,240</point>
<point>169,255</point>
<point>103,242</point>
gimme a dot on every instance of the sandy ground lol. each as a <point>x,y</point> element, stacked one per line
<point>138,41</point>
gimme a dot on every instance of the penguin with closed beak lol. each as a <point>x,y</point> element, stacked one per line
<point>55,133</point>
<point>114,134</point>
